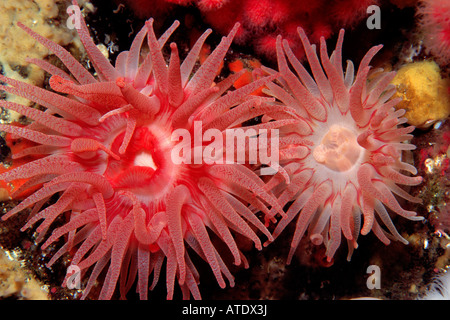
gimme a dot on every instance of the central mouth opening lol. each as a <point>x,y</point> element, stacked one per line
<point>141,163</point>
<point>338,150</point>
<point>145,159</point>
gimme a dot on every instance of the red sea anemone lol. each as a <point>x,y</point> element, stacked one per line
<point>104,144</point>
<point>345,156</point>
<point>434,22</point>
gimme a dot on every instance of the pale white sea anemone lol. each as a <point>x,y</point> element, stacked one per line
<point>344,157</point>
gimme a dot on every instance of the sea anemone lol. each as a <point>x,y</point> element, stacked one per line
<point>434,23</point>
<point>345,155</point>
<point>104,143</point>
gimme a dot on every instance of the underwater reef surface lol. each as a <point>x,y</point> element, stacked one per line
<point>406,271</point>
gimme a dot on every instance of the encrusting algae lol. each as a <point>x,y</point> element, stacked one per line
<point>16,47</point>
<point>16,283</point>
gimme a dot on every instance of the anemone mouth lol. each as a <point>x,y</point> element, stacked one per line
<point>338,149</point>
<point>145,167</point>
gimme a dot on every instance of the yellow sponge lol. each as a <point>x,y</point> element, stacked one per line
<point>425,94</point>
